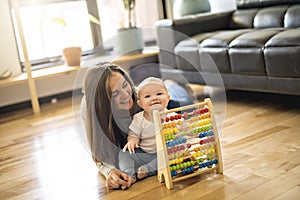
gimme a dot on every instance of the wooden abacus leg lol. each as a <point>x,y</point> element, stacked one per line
<point>160,176</point>
<point>163,171</point>
<point>164,175</point>
<point>219,156</point>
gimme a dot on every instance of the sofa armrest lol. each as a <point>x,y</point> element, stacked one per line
<point>170,32</point>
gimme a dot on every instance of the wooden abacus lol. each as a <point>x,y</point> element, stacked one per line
<point>187,143</point>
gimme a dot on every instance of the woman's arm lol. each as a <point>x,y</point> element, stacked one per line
<point>115,179</point>
<point>103,168</point>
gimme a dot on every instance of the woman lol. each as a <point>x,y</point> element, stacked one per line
<point>108,105</point>
<point>107,108</point>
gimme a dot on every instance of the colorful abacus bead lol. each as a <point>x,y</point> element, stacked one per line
<point>185,115</point>
<point>174,173</point>
<point>209,157</point>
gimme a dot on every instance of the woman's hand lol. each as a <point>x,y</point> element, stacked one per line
<point>117,179</point>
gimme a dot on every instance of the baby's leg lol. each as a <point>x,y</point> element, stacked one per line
<point>148,169</point>
<point>126,164</point>
<point>142,172</point>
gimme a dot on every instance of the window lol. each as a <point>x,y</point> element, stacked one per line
<point>51,25</point>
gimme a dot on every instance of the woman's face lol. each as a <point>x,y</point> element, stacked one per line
<point>121,92</point>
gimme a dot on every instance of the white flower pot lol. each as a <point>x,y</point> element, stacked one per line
<point>129,41</point>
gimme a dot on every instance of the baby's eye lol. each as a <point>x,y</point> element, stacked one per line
<point>147,96</point>
<point>159,93</point>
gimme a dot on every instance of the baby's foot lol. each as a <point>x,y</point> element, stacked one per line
<point>142,172</point>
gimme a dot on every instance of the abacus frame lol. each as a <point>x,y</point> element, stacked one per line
<point>164,172</point>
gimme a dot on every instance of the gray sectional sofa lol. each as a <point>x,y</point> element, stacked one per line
<point>256,47</point>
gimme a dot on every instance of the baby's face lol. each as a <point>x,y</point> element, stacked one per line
<point>153,94</point>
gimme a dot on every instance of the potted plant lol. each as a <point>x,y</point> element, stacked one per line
<point>129,6</point>
<point>129,37</point>
<point>72,54</point>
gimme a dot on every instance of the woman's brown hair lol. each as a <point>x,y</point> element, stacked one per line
<point>104,135</point>
<point>103,106</point>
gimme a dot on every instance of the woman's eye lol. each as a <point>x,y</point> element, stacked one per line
<point>125,84</point>
<point>115,93</point>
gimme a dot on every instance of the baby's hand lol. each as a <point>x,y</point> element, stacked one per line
<point>131,145</point>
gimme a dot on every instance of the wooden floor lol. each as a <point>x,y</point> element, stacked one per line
<point>41,156</point>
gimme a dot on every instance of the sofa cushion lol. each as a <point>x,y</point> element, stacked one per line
<point>286,37</point>
<point>254,38</point>
<point>214,50</point>
<point>283,61</point>
<point>270,17</point>
<point>222,38</point>
<point>242,19</point>
<point>292,17</point>
<point>281,49</point>
<point>212,46</point>
<point>246,52</point>
<point>187,56</point>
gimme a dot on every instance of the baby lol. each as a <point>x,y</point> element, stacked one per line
<point>140,160</point>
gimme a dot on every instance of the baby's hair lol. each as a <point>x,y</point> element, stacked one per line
<point>148,81</point>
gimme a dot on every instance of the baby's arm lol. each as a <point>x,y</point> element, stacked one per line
<point>132,142</point>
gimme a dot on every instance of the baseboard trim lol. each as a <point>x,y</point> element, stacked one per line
<point>43,100</point>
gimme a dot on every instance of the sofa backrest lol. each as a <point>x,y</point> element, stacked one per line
<point>244,4</point>
<point>286,15</point>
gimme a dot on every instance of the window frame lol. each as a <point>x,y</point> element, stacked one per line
<point>97,39</point>
<point>56,60</point>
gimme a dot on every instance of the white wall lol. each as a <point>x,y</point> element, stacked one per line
<point>45,87</point>
<point>8,49</point>
<point>222,5</point>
